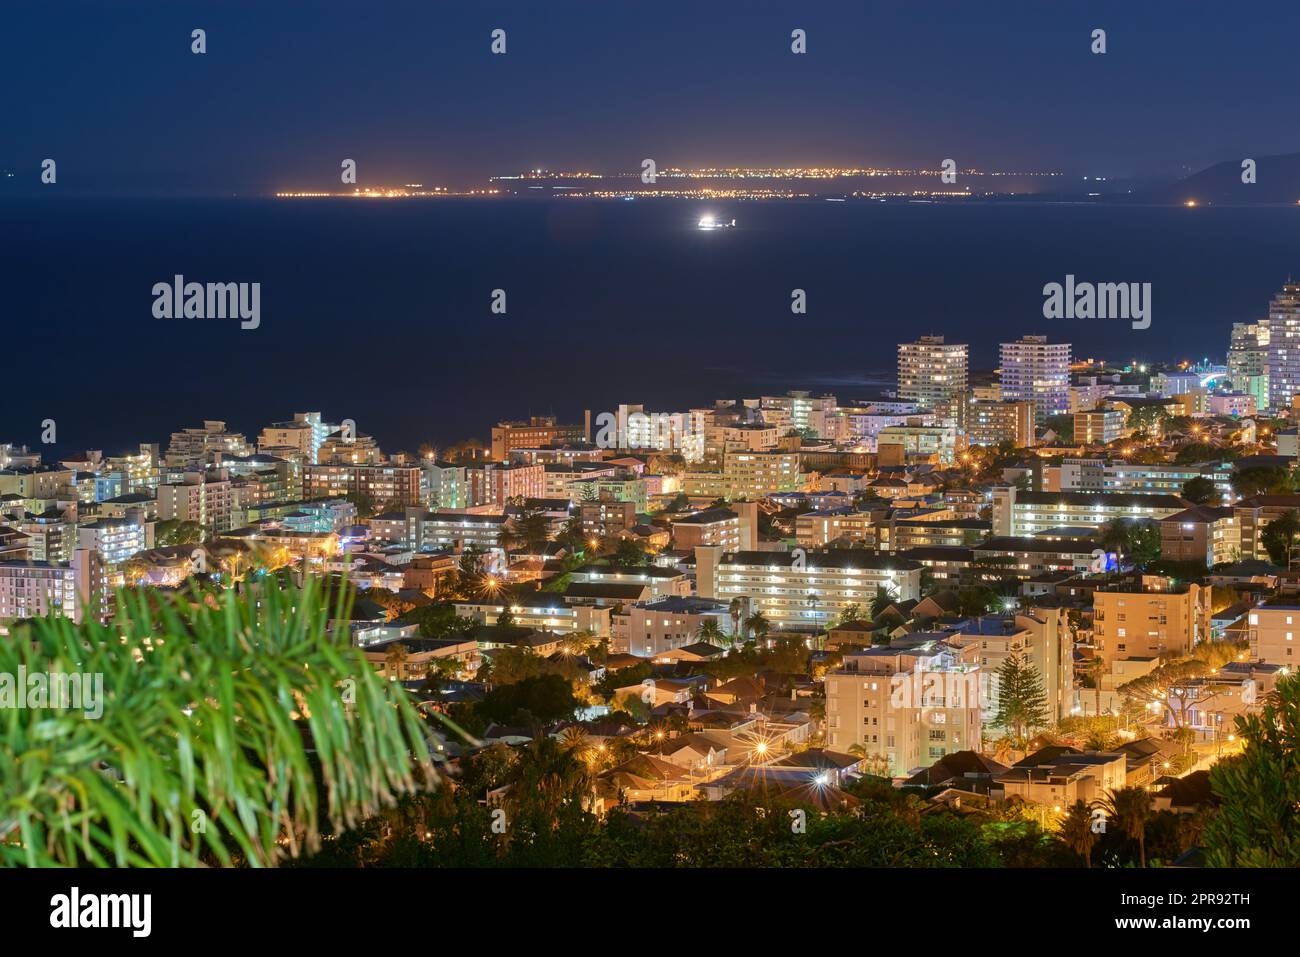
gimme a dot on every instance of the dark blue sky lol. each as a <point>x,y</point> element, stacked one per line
<point>409,89</point>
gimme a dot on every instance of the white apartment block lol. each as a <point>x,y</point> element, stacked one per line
<point>115,539</point>
<point>1019,514</point>
<point>41,589</point>
<point>1273,631</point>
<point>803,590</point>
<point>1036,370</point>
<point>1284,347</point>
<point>905,706</point>
<point>192,447</point>
<point>200,498</point>
<point>932,372</point>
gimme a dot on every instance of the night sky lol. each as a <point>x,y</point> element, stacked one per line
<point>410,90</point>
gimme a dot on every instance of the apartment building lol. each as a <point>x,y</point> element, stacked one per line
<point>503,483</point>
<point>748,475</point>
<point>445,485</point>
<point>51,535</point>
<point>1102,474</point>
<point>538,431</point>
<point>559,478</point>
<point>1150,619</point>
<point>735,528</point>
<point>619,488</point>
<point>1038,371</point>
<point>115,540</point>
<point>194,448</point>
<point>37,589</point>
<point>919,444</point>
<point>1018,513</point>
<point>47,482</point>
<point>925,532</point>
<point>820,528</point>
<point>1272,630</point>
<point>543,612</point>
<point>654,627</point>
<point>1100,426</point>
<point>1253,515</point>
<point>421,530</point>
<point>606,518</point>
<point>204,498</point>
<point>384,485</point>
<point>906,707</point>
<point>349,447</point>
<point>139,470</point>
<point>932,372</point>
<point>803,590</point>
<point>1026,558</point>
<point>1202,533</point>
<point>1042,637</point>
<point>996,422</point>
<point>304,436</point>
<point>1284,347</point>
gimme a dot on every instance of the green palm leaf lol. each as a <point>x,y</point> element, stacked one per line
<point>233,730</point>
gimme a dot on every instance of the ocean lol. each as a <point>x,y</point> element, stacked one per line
<point>381,310</point>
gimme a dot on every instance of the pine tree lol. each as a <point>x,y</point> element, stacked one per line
<point>1022,703</point>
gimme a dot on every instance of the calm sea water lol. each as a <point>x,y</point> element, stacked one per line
<point>379,310</point>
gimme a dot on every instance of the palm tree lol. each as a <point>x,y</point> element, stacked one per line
<point>1076,831</point>
<point>1130,808</point>
<point>757,625</point>
<point>714,635</point>
<point>574,738</point>
<point>1095,669</point>
<point>737,611</point>
<point>880,601</point>
<point>194,728</point>
<point>395,661</point>
<point>1115,536</point>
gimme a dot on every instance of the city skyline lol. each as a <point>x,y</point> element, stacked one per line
<point>489,436</point>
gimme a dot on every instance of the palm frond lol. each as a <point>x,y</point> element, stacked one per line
<point>233,730</point>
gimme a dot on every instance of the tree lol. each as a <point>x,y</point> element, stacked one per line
<point>710,631</point>
<point>251,718</point>
<point>1200,491</point>
<point>1262,478</point>
<point>1063,426</point>
<point>174,531</point>
<point>1138,540</point>
<point>395,661</point>
<point>542,699</point>
<point>630,554</point>
<point>1164,689</point>
<point>1076,831</point>
<point>535,529</point>
<point>1129,809</point>
<point>757,625</point>
<point>1258,823</point>
<point>1022,703</point>
<point>1279,537</point>
<point>736,609</point>
<point>439,621</point>
<point>881,600</point>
